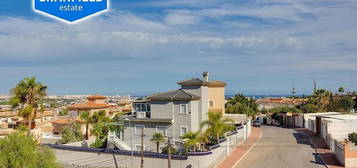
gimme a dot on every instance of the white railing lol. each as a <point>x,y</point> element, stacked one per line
<point>112,138</point>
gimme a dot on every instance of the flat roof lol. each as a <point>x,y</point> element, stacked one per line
<point>341,117</point>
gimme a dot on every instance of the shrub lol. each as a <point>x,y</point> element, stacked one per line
<point>20,151</point>
<point>63,112</point>
<point>353,137</point>
<point>166,151</point>
<point>100,130</point>
<point>71,133</point>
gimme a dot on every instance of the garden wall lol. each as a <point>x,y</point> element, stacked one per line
<point>195,160</point>
<point>346,153</point>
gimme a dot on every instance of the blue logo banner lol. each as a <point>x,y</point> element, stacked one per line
<point>70,10</point>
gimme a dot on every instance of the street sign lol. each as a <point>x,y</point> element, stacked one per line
<point>70,11</point>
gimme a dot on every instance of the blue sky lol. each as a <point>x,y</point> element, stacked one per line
<point>142,47</point>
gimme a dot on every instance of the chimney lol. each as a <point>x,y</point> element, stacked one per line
<point>205,76</point>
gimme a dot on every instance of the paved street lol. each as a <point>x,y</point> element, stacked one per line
<point>281,148</point>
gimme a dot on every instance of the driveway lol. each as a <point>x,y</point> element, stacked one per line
<point>281,148</point>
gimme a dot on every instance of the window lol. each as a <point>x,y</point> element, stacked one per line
<point>138,147</point>
<point>183,130</point>
<point>138,129</point>
<point>183,109</point>
<point>137,107</point>
<point>144,107</point>
<point>211,103</point>
<point>148,107</point>
<point>162,130</point>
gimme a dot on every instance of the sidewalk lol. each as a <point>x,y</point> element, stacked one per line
<point>241,150</point>
<point>326,154</point>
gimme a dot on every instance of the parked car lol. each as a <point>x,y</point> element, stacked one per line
<point>256,123</point>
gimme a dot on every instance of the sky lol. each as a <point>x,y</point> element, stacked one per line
<point>141,47</point>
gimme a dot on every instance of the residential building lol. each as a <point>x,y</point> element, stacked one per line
<point>334,128</point>
<point>124,106</point>
<point>173,113</point>
<point>93,104</point>
<point>266,104</point>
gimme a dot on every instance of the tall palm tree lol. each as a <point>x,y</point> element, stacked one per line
<point>192,139</point>
<point>28,92</point>
<point>217,125</point>
<point>321,99</point>
<point>157,138</point>
<point>87,119</point>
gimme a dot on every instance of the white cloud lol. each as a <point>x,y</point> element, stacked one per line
<point>186,40</point>
<point>181,19</point>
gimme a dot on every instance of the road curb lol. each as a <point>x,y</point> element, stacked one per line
<point>318,153</point>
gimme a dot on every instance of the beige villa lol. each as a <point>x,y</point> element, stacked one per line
<point>93,104</point>
<point>216,99</point>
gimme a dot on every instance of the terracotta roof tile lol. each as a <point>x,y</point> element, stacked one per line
<point>93,97</point>
<point>280,101</point>
<point>88,105</point>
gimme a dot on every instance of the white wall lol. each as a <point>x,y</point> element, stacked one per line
<point>339,129</point>
<point>206,161</point>
<point>339,152</point>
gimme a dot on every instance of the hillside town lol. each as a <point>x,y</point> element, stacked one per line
<point>195,125</point>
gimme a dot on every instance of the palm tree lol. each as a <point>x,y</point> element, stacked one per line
<point>53,106</point>
<point>192,139</point>
<point>217,125</point>
<point>203,139</point>
<point>157,138</point>
<point>87,119</point>
<point>341,90</point>
<point>26,113</point>
<point>99,117</point>
<point>28,92</point>
<point>321,99</point>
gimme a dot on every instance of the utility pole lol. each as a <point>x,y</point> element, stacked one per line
<point>302,109</point>
<point>315,86</point>
<point>142,148</point>
<point>246,132</point>
<point>169,153</point>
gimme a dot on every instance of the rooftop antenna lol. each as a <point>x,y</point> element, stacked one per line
<point>315,86</point>
<point>293,91</point>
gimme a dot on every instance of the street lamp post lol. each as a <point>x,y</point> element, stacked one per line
<point>131,143</point>
<point>246,130</point>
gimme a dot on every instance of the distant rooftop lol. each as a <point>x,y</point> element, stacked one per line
<point>93,97</point>
<point>88,105</point>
